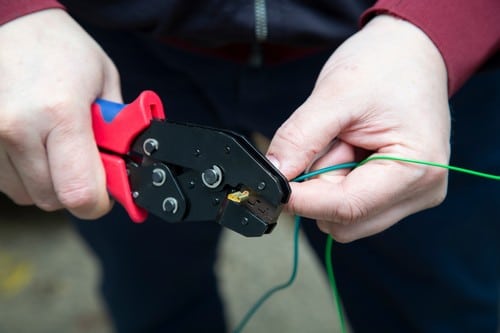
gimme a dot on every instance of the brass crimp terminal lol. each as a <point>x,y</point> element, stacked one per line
<point>239,196</point>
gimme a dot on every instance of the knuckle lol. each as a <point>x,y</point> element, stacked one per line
<point>293,135</point>
<point>20,200</point>
<point>436,180</point>
<point>437,175</point>
<point>77,196</point>
<point>17,121</point>
<point>438,196</point>
<point>324,226</point>
<point>288,133</point>
<point>56,108</point>
<point>47,202</point>
<point>292,206</point>
<point>12,129</point>
<point>441,195</point>
<point>13,188</point>
<point>351,212</point>
<point>341,236</point>
<point>48,206</point>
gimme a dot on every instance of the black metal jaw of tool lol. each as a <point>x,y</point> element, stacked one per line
<point>186,172</point>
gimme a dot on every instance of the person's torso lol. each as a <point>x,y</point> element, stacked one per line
<point>218,22</point>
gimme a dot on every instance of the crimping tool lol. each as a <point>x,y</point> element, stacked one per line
<point>185,172</point>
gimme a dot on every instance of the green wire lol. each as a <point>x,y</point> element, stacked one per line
<point>253,309</point>
<point>279,287</point>
<point>305,176</point>
<point>439,165</point>
<point>333,284</point>
<point>329,241</point>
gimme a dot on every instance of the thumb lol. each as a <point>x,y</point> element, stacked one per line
<point>111,89</point>
<point>301,138</point>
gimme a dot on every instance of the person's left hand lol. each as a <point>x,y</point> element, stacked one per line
<point>384,91</point>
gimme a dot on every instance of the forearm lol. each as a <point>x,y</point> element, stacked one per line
<point>466,33</point>
<point>12,9</point>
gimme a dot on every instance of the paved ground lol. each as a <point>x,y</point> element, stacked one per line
<point>47,279</point>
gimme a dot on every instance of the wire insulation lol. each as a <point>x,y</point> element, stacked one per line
<point>279,287</point>
<point>433,164</point>
<point>333,284</point>
<point>329,243</point>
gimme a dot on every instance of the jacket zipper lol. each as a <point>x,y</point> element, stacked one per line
<point>260,32</point>
<point>260,20</point>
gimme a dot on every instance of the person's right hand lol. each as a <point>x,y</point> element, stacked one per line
<point>51,71</point>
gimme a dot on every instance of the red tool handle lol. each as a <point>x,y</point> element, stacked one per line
<point>115,128</point>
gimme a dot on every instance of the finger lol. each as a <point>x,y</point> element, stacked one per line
<point>111,89</point>
<point>324,226</point>
<point>368,190</point>
<point>306,133</point>
<point>339,152</point>
<point>29,159</point>
<point>344,233</point>
<point>76,168</point>
<point>10,182</point>
<point>77,171</point>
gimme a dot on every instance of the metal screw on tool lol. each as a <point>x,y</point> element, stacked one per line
<point>169,205</point>
<point>135,194</point>
<point>158,176</point>
<point>261,186</point>
<point>212,177</point>
<point>244,221</point>
<point>150,145</point>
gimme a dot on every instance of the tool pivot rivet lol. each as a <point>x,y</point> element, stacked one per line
<point>212,177</point>
<point>150,145</point>
<point>159,177</point>
<point>170,205</point>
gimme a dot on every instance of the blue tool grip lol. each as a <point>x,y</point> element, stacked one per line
<point>109,110</point>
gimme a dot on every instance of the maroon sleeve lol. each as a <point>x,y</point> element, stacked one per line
<point>11,9</point>
<point>466,32</point>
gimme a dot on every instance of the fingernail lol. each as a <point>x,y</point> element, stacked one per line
<point>274,161</point>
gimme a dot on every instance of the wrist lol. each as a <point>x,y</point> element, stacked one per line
<point>408,45</point>
<point>465,32</point>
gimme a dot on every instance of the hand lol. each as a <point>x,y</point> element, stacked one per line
<point>384,91</point>
<point>51,72</point>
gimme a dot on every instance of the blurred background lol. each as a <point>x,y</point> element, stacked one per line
<point>48,278</point>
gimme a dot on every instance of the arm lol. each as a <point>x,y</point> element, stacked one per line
<point>465,32</point>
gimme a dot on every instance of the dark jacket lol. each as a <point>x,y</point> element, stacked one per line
<point>219,22</point>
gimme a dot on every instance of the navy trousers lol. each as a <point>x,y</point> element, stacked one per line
<point>436,271</point>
